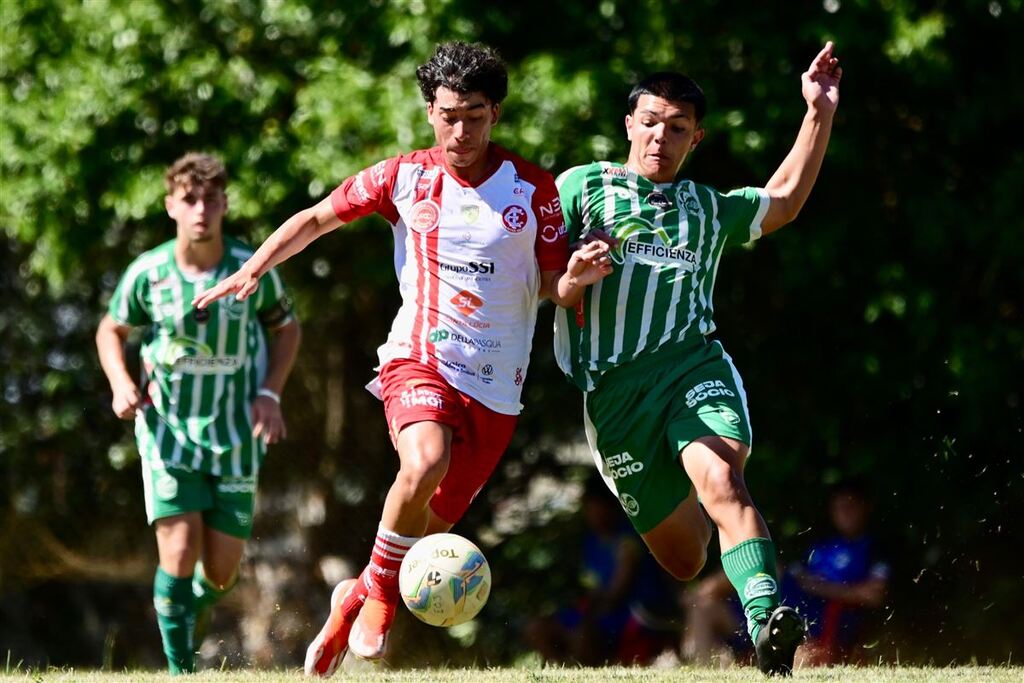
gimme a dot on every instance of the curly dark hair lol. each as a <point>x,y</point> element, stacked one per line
<point>464,68</point>
<point>197,170</point>
<point>671,86</point>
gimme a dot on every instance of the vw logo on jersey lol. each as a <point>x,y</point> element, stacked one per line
<point>426,215</point>
<point>514,218</point>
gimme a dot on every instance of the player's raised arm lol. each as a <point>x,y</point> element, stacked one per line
<point>293,236</point>
<point>792,182</point>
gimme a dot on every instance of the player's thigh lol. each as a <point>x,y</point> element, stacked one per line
<point>178,542</point>
<point>422,411</point>
<point>234,501</point>
<point>715,466</point>
<point>478,444</point>
<point>679,542</point>
<point>625,420</point>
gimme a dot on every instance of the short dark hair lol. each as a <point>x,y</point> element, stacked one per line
<point>196,170</point>
<point>671,86</point>
<point>464,68</point>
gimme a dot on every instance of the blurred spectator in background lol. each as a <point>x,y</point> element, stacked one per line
<point>840,582</point>
<point>626,614</point>
<point>835,588</point>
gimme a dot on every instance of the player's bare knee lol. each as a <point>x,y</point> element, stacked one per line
<point>683,562</point>
<point>423,470</point>
<point>721,485</point>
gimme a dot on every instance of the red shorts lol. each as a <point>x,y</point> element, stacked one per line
<point>414,392</point>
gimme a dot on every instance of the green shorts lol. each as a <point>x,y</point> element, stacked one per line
<point>641,415</point>
<point>173,489</point>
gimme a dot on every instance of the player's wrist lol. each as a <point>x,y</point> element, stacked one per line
<point>271,394</point>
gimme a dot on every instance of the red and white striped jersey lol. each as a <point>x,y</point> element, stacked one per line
<point>468,259</point>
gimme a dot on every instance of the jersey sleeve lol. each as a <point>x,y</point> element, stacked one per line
<point>741,212</point>
<point>273,305</point>
<point>552,243</point>
<point>128,304</point>
<point>368,191</point>
<point>570,191</point>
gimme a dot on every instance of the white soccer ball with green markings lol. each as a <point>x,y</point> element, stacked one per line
<point>445,580</point>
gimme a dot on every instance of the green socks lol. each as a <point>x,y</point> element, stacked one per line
<point>206,596</point>
<point>175,613</point>
<point>750,567</point>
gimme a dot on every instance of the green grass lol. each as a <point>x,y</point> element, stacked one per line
<point>549,675</point>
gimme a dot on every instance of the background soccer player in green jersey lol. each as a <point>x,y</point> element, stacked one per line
<point>665,407</point>
<point>209,403</point>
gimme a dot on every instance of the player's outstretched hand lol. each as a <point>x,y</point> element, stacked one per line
<point>590,262</point>
<point>820,83</point>
<point>267,420</point>
<point>127,399</point>
<point>242,284</point>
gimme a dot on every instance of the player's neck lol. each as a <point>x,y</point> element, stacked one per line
<point>477,171</point>
<point>198,257</point>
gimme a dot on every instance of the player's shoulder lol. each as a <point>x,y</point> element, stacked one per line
<point>525,169</point>
<point>237,250</point>
<point>427,158</point>
<point>160,255</point>
<point>584,171</point>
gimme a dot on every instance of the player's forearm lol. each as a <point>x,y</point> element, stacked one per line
<point>110,348</point>
<point>566,291</point>
<point>791,184</point>
<point>284,347</point>
<point>294,235</point>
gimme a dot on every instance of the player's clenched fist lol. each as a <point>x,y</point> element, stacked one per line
<point>127,399</point>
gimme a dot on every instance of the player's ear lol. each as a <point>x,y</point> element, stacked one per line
<point>495,113</point>
<point>430,113</point>
<point>698,135</point>
<point>169,205</point>
<point>629,127</point>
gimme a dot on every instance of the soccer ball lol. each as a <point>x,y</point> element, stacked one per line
<point>445,580</point>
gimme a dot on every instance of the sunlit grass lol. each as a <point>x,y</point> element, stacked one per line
<point>552,675</point>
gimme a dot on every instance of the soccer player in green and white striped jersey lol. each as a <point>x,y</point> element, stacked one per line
<point>209,402</point>
<point>666,413</point>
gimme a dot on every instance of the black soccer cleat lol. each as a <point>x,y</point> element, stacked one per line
<point>778,640</point>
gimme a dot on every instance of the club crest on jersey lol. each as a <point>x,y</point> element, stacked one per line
<point>514,218</point>
<point>426,215</point>
<point>641,242</point>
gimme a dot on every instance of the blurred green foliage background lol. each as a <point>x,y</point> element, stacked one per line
<point>880,335</point>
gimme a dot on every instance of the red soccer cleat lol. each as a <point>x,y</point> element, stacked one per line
<point>370,631</point>
<point>325,653</point>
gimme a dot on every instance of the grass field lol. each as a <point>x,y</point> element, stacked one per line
<point>548,675</point>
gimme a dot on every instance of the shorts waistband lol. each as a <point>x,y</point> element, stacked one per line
<point>666,354</point>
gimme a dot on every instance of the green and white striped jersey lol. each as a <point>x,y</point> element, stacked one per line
<point>671,237</point>
<point>201,369</point>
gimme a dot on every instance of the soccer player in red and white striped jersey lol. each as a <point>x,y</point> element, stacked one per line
<point>479,238</point>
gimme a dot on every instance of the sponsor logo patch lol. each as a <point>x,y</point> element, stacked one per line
<point>425,217</point>
<point>421,397</point>
<point>467,302</point>
<point>706,390</point>
<point>760,585</point>
<point>622,465</point>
